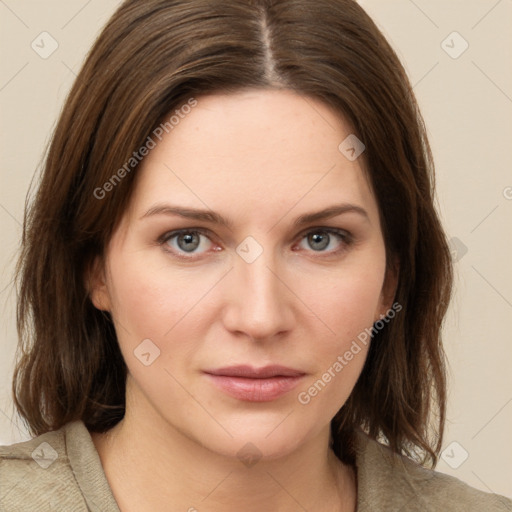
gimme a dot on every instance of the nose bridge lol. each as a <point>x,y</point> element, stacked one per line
<point>261,281</point>
<point>259,301</point>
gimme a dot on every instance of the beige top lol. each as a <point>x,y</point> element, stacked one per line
<point>61,471</point>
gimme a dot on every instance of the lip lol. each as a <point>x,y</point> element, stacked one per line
<point>255,384</point>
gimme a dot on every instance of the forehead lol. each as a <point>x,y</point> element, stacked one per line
<point>255,151</point>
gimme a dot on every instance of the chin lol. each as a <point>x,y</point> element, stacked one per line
<point>264,437</point>
<point>254,447</point>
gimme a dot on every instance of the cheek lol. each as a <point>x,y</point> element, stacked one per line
<point>161,311</point>
<point>339,356</point>
<point>140,305</point>
<point>345,303</point>
<point>148,304</point>
<point>149,301</point>
<point>347,308</point>
<point>154,312</point>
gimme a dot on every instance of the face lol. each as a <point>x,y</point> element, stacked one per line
<point>245,276</point>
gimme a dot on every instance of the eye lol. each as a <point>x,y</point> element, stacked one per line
<point>186,241</point>
<point>320,239</point>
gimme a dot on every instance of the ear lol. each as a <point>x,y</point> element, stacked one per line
<point>389,288</point>
<point>96,285</point>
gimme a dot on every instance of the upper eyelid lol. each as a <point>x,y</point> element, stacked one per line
<point>175,232</point>
<point>204,231</point>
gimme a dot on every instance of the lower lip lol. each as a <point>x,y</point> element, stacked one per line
<point>255,390</point>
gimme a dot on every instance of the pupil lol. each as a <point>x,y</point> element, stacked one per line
<point>189,242</point>
<point>319,241</point>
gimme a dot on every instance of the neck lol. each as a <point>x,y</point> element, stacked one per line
<point>151,465</point>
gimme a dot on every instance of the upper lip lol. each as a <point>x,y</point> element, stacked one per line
<point>251,372</point>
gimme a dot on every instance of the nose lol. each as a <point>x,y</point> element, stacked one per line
<point>258,304</point>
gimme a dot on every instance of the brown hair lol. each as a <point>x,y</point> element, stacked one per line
<point>151,57</point>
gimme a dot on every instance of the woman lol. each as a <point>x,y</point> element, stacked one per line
<point>233,276</point>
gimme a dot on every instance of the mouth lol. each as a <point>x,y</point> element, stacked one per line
<point>255,384</point>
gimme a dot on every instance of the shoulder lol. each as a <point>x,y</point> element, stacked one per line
<point>37,474</point>
<point>387,481</point>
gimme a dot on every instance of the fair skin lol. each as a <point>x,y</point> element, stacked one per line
<point>260,159</point>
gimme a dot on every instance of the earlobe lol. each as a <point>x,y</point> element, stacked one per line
<point>96,285</point>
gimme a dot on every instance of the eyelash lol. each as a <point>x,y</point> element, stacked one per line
<point>345,236</point>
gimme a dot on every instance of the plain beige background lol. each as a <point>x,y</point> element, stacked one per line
<point>466,99</point>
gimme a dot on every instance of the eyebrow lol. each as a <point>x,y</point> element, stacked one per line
<point>216,218</point>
